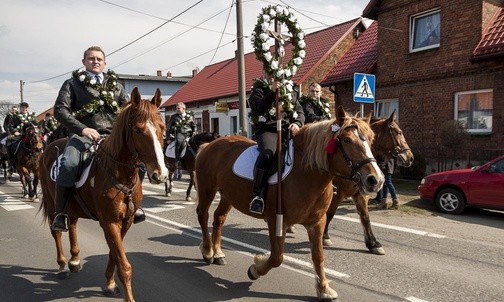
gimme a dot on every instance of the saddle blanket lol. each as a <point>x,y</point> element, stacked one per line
<point>244,164</point>
<point>170,150</point>
<point>55,171</point>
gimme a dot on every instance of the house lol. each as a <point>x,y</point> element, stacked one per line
<point>436,62</point>
<point>212,95</point>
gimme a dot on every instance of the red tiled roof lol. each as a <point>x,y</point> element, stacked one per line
<point>492,42</point>
<point>361,57</point>
<point>221,79</point>
<point>372,9</point>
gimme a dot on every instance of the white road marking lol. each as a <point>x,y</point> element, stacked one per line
<point>10,203</point>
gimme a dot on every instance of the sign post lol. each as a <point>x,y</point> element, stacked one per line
<point>364,89</point>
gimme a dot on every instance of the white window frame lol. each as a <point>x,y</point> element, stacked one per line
<point>421,33</point>
<point>384,108</point>
<point>476,116</point>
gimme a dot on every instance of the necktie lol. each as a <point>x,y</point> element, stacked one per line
<point>97,78</point>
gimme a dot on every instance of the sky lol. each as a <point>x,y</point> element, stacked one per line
<point>42,42</point>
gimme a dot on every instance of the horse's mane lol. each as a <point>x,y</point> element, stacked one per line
<point>316,137</point>
<point>117,139</point>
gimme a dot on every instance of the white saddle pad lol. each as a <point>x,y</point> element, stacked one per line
<point>244,164</point>
<point>55,171</point>
<point>170,150</point>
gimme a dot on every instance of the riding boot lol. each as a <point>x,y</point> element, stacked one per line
<point>257,203</point>
<point>395,204</point>
<point>60,219</point>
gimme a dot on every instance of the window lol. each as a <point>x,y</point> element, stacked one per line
<point>198,124</point>
<point>215,125</point>
<point>425,30</point>
<point>475,109</point>
<point>384,108</point>
<point>234,125</point>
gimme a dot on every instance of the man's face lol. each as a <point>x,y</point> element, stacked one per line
<point>24,109</point>
<point>180,109</point>
<point>94,62</point>
<point>315,91</point>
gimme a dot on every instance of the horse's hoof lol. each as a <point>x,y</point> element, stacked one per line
<point>220,261</point>
<point>114,292</point>
<point>327,242</point>
<point>208,260</point>
<point>188,198</point>
<point>74,268</point>
<point>63,275</point>
<point>378,251</point>
<point>168,194</point>
<point>291,229</point>
<point>252,273</point>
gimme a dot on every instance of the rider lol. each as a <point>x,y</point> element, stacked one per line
<point>87,106</point>
<point>15,125</point>
<point>181,126</point>
<point>264,132</point>
<point>315,107</point>
<point>48,124</point>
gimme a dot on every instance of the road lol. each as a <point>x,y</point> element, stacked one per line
<point>429,257</point>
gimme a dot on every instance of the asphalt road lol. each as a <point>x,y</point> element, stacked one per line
<point>429,256</point>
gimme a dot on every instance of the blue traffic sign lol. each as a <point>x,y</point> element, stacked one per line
<point>364,88</point>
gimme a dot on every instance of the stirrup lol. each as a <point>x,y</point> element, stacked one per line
<point>61,227</point>
<point>139,217</point>
<point>257,205</point>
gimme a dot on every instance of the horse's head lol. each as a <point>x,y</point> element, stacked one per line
<point>341,147</point>
<point>33,137</point>
<point>390,141</point>
<point>144,135</point>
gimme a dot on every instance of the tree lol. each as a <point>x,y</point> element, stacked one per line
<point>454,137</point>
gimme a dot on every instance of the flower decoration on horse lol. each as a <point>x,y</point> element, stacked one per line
<point>104,95</point>
<point>272,62</point>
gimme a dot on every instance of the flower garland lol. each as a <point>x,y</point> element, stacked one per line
<point>30,118</point>
<point>321,104</point>
<point>282,74</point>
<point>105,93</point>
<point>52,123</point>
<point>285,98</point>
<point>189,117</point>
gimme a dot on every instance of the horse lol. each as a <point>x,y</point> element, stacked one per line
<point>27,151</point>
<point>322,151</point>
<point>389,142</point>
<point>113,191</point>
<point>187,161</point>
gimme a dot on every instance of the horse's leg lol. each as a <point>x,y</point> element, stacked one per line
<point>29,182</point>
<point>324,291</point>
<point>262,263</point>
<point>220,216</point>
<point>335,202</point>
<point>35,186</point>
<point>114,239</point>
<point>111,289</point>
<point>60,255</point>
<point>361,203</point>
<point>205,198</point>
<point>74,264</point>
<point>169,182</point>
<point>189,188</point>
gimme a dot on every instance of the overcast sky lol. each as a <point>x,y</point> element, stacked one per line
<point>41,42</point>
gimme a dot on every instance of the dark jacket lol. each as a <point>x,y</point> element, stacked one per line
<point>312,112</point>
<point>179,124</point>
<point>16,124</point>
<point>72,97</point>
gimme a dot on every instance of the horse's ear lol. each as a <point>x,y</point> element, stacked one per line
<point>340,115</point>
<point>391,118</point>
<point>156,99</point>
<point>135,97</point>
<point>368,117</point>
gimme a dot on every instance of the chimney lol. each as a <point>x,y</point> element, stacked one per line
<point>169,74</point>
<point>159,73</point>
<point>195,72</point>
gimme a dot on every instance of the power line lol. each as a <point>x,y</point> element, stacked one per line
<point>222,34</point>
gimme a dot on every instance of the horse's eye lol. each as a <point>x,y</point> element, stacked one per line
<point>138,130</point>
<point>347,140</point>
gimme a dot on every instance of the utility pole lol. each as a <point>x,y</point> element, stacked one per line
<point>241,70</point>
<point>21,84</point>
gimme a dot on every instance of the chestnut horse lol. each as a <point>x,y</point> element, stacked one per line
<point>187,161</point>
<point>28,149</point>
<point>389,142</point>
<point>306,192</point>
<point>113,191</point>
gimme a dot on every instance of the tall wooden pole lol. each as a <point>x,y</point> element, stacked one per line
<point>241,70</point>
<point>278,104</point>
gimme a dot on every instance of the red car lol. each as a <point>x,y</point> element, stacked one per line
<point>452,191</point>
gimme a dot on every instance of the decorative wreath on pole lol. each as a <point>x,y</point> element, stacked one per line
<point>260,40</point>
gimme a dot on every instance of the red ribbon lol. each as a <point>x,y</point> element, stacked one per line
<point>331,146</point>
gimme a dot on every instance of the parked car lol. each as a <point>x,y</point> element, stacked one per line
<point>452,191</point>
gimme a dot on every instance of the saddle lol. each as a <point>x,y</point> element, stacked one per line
<point>87,158</point>
<point>170,150</point>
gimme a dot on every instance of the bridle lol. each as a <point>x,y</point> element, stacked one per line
<point>355,175</point>
<point>398,150</point>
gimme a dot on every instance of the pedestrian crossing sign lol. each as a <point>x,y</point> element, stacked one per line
<point>364,88</point>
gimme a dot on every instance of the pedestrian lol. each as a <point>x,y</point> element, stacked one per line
<point>387,167</point>
<point>87,105</point>
<point>264,132</point>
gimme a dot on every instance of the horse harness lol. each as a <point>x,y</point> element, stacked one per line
<point>398,150</point>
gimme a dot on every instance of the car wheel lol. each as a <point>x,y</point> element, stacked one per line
<point>450,201</point>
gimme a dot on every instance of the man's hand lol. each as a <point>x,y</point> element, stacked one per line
<point>91,134</point>
<point>294,129</point>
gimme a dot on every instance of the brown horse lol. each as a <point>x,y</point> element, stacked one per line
<point>306,192</point>
<point>28,149</point>
<point>113,191</point>
<point>389,142</point>
<point>187,161</point>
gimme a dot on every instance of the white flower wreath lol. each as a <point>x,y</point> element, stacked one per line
<point>282,74</point>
